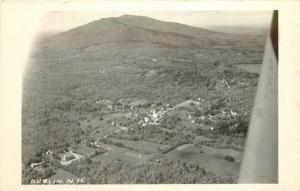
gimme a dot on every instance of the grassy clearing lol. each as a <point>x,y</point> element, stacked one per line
<point>140,146</point>
<point>117,153</point>
<point>212,159</point>
<point>87,151</point>
<point>252,68</point>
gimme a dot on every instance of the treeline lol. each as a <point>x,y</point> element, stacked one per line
<point>156,171</point>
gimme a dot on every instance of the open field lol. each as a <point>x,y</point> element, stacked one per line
<point>141,146</point>
<point>115,153</point>
<point>210,158</point>
<point>253,68</point>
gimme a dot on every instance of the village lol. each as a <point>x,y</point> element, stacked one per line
<point>135,131</point>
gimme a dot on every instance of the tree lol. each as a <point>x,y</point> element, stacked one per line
<point>45,163</point>
<point>48,172</point>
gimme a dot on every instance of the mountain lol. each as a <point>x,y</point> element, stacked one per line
<point>130,30</point>
<point>154,24</point>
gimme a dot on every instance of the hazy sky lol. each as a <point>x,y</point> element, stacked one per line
<point>60,21</point>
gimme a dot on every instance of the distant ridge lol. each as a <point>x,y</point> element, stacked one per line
<point>130,30</point>
<point>154,24</point>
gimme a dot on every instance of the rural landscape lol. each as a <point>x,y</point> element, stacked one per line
<point>135,100</point>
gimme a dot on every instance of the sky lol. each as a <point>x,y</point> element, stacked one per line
<point>59,21</point>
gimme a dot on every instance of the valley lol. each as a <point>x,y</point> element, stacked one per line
<point>137,112</point>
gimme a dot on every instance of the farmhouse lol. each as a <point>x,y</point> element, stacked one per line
<point>32,165</point>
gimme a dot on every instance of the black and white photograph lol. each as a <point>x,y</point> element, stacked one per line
<point>152,97</point>
<point>149,95</point>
